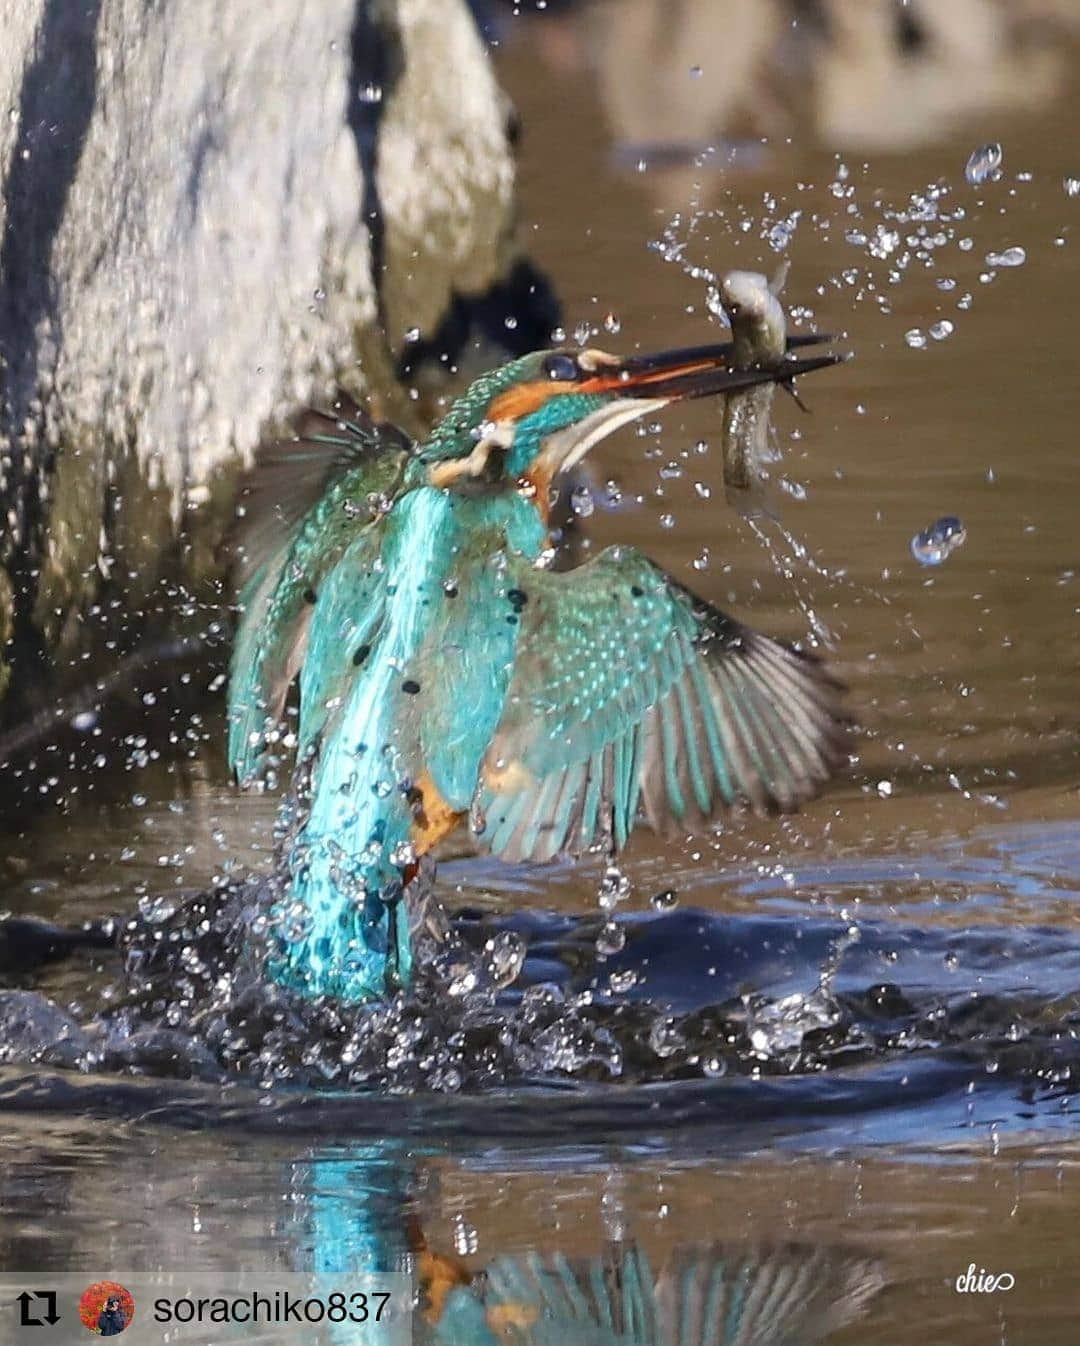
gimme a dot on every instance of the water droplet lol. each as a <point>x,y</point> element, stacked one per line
<point>506,954</point>
<point>612,324</point>
<point>983,163</point>
<point>942,329</point>
<point>403,855</point>
<point>934,544</point>
<point>614,888</point>
<point>370,93</point>
<point>623,980</point>
<point>695,72</point>
<point>884,242</point>
<point>510,323</point>
<point>1072,186</point>
<point>581,501</point>
<point>466,1239</point>
<point>713,1067</point>
<point>665,1037</point>
<point>884,788</point>
<point>611,939</point>
<point>84,721</point>
<point>667,520</point>
<point>462,980</point>
<point>915,338</point>
<point>582,332</point>
<point>780,235</point>
<point>1014,256</point>
<point>412,335</point>
<point>668,900</point>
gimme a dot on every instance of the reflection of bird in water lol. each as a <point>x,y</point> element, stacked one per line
<point>364,1219</point>
<point>729,1296</point>
<point>449,679</point>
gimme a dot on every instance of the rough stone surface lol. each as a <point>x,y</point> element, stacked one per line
<point>210,214</point>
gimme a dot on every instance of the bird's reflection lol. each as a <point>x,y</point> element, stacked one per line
<point>357,1200</point>
<point>365,1216</point>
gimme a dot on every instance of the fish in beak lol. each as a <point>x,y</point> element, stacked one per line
<point>636,385</point>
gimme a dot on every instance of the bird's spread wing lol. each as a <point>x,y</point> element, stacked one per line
<point>291,475</point>
<point>307,498</point>
<point>628,690</point>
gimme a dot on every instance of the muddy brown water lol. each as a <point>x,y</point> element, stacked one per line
<point>962,811</point>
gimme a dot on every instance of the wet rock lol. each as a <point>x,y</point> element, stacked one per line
<point>162,1052</point>
<point>209,216</point>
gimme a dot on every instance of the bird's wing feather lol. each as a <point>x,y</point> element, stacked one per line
<point>308,497</point>
<point>292,474</point>
<point>627,690</point>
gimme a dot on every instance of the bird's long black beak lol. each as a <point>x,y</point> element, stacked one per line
<point>702,371</point>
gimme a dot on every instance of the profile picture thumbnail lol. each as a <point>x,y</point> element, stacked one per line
<point>106,1308</point>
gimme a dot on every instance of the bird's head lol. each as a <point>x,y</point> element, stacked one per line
<point>525,423</point>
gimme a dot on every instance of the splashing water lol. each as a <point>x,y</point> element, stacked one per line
<point>792,560</point>
<point>192,1006</point>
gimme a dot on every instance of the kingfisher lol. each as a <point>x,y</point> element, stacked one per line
<point>449,678</point>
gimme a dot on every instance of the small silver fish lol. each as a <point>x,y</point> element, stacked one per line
<point>758,337</point>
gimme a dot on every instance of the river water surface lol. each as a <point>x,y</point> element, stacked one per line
<point>854,1030</point>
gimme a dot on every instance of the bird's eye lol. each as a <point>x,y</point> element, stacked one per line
<point>561,367</point>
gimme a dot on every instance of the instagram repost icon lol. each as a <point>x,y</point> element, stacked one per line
<point>106,1308</point>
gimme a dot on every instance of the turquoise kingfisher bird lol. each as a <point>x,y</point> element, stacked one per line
<point>449,679</point>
